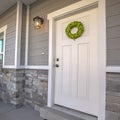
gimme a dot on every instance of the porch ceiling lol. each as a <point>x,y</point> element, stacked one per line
<point>5,4</point>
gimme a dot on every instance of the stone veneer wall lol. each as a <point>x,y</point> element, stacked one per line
<point>113,96</point>
<point>24,87</point>
<point>12,86</point>
<point>36,87</point>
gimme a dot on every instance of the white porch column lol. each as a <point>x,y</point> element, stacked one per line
<point>18,33</point>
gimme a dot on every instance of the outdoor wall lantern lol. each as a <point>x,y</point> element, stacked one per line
<point>38,21</point>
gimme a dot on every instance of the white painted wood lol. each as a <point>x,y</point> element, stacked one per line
<point>27,67</point>
<point>102,52</point>
<point>83,71</point>
<point>102,58</point>
<point>18,33</point>
<point>37,67</point>
<point>51,82</point>
<point>74,7</point>
<point>9,66</point>
<point>3,29</point>
<point>27,35</point>
<point>4,43</point>
<point>76,78</point>
<point>113,69</point>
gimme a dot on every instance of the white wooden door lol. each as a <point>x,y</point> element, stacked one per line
<point>76,78</point>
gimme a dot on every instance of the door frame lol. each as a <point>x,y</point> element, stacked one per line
<point>101,49</point>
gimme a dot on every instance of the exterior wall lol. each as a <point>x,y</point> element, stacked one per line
<point>9,19</point>
<point>113,96</point>
<point>23,38</point>
<point>38,42</point>
<point>113,32</point>
<point>30,86</point>
<point>113,59</point>
<point>27,86</point>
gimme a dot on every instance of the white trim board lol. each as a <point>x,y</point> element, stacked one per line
<point>9,67</point>
<point>18,33</point>
<point>102,49</point>
<point>27,35</point>
<point>77,6</point>
<point>3,29</point>
<point>113,69</point>
<point>34,67</point>
<point>27,67</point>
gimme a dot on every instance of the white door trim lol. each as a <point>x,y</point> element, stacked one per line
<point>102,49</point>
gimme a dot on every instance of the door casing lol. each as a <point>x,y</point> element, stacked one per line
<point>101,52</point>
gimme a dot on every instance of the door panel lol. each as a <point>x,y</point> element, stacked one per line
<point>83,71</point>
<point>66,70</point>
<point>76,78</point>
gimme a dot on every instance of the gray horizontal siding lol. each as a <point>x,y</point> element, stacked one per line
<point>112,2</point>
<point>113,21</point>
<point>38,42</point>
<point>113,96</point>
<point>9,19</point>
<point>113,32</point>
<point>113,59</point>
<point>113,9</point>
<point>23,38</point>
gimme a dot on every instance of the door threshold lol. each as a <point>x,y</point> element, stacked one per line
<point>63,111</point>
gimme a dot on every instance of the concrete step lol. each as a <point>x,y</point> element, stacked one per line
<point>61,113</point>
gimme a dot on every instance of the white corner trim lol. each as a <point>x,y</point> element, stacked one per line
<point>27,35</point>
<point>102,53</point>
<point>113,69</point>
<point>3,29</point>
<point>68,9</point>
<point>102,58</point>
<point>18,33</point>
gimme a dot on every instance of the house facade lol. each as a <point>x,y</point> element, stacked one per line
<point>28,56</point>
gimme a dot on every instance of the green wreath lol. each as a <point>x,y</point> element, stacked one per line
<point>72,25</point>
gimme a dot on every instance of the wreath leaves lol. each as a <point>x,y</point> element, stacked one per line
<point>72,25</point>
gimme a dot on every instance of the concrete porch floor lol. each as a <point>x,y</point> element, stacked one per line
<point>8,112</point>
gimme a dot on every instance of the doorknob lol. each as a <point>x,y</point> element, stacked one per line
<point>57,65</point>
<point>57,59</point>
